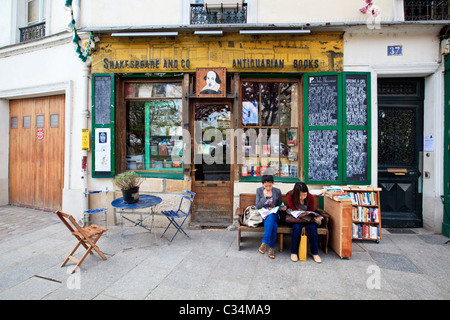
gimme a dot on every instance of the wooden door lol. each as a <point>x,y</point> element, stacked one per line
<point>36,152</point>
<point>212,173</point>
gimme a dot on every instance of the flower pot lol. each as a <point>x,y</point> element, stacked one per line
<point>131,195</point>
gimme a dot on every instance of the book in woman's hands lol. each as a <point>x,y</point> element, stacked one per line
<point>265,212</point>
<point>304,215</point>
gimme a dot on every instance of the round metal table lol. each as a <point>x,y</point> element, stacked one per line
<point>145,201</point>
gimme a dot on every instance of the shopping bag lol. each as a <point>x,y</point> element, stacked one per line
<point>302,249</point>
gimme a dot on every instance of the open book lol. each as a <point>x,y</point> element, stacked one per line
<point>305,215</point>
<point>265,212</point>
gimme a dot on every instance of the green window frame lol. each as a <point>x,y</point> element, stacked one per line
<point>337,128</point>
<point>103,125</point>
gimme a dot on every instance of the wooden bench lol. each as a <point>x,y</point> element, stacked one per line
<point>249,199</point>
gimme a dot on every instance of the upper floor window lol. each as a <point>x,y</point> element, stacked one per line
<point>427,10</point>
<point>218,12</point>
<point>35,11</point>
<point>35,21</point>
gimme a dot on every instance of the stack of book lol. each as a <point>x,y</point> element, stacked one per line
<point>364,231</point>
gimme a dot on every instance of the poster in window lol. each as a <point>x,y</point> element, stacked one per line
<point>211,82</point>
<point>102,149</point>
<point>249,113</point>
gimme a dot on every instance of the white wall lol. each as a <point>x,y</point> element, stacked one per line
<point>366,50</point>
<point>41,69</point>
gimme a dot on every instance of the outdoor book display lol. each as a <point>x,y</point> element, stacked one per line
<point>355,215</point>
<point>366,215</point>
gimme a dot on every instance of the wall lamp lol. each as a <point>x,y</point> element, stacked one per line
<point>274,31</point>
<point>144,34</point>
<point>209,32</point>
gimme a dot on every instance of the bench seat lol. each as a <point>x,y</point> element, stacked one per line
<point>249,199</point>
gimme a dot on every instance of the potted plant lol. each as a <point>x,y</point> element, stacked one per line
<point>129,182</point>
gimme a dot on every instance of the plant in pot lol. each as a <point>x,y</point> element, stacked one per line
<point>129,182</point>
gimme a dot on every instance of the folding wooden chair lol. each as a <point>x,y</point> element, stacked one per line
<point>86,236</point>
<point>182,212</point>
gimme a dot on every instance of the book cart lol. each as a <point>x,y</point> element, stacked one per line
<point>366,215</point>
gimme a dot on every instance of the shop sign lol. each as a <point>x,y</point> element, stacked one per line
<point>319,52</point>
<point>211,82</point>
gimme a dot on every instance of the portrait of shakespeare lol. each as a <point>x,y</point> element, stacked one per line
<point>212,85</point>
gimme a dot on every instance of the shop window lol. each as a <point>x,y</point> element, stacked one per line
<point>154,140</point>
<point>269,118</point>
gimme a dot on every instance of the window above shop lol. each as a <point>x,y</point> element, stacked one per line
<point>218,12</point>
<point>35,21</point>
<point>423,10</point>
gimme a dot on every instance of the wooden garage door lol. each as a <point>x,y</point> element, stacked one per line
<point>36,152</point>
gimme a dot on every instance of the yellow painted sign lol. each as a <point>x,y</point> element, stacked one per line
<point>85,140</point>
<point>316,52</point>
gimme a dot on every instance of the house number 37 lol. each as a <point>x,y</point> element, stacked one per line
<point>394,50</point>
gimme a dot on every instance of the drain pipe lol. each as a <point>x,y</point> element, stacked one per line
<point>85,126</point>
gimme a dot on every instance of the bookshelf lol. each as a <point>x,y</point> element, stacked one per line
<point>366,214</point>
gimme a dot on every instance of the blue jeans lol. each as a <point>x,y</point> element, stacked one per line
<point>270,229</point>
<point>313,238</point>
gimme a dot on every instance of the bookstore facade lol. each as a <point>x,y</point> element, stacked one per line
<point>219,112</point>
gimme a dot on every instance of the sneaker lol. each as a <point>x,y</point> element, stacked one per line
<point>294,257</point>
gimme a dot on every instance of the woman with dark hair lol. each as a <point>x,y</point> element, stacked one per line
<point>299,199</point>
<point>269,197</point>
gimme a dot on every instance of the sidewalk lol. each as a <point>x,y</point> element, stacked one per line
<point>142,265</point>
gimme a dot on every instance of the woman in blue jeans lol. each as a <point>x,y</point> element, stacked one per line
<point>299,198</point>
<point>269,197</point>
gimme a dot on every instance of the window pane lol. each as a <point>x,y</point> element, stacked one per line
<point>288,105</point>
<point>250,103</point>
<point>33,11</point>
<point>14,122</point>
<point>271,147</point>
<point>269,104</point>
<point>40,121</point>
<point>154,135</point>
<point>153,90</point>
<point>26,122</point>
<point>54,120</point>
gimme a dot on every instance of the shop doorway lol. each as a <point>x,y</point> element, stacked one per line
<point>400,141</point>
<point>36,152</point>
<point>212,171</point>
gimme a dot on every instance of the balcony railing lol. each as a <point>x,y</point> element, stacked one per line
<point>419,10</point>
<point>199,15</point>
<point>33,32</point>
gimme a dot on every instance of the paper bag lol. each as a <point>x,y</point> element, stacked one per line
<point>302,249</point>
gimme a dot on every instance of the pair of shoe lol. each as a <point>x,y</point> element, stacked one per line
<point>316,258</point>
<point>262,250</point>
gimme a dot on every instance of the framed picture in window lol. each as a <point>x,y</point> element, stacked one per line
<point>211,82</point>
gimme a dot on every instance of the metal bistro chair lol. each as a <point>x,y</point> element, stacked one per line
<point>88,212</point>
<point>182,212</point>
